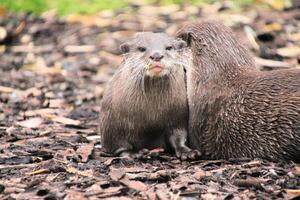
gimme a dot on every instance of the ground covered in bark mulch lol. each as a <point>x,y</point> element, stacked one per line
<point>52,76</point>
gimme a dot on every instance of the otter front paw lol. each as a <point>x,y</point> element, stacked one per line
<point>188,154</point>
<point>143,153</point>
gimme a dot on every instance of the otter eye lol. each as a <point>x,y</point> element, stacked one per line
<point>142,49</point>
<point>168,48</point>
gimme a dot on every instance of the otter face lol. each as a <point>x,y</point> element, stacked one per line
<point>154,54</point>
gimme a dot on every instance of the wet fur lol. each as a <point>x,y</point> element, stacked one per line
<point>236,110</point>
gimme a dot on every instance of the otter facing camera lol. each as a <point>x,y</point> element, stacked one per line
<point>124,48</point>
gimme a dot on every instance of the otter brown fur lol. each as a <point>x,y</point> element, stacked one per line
<point>236,110</point>
<point>145,104</point>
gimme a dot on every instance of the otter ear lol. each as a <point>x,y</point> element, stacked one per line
<point>180,44</point>
<point>185,36</point>
<point>125,48</point>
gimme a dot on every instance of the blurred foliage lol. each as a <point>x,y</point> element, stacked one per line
<point>65,7</point>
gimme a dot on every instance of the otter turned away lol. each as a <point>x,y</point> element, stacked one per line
<point>236,110</point>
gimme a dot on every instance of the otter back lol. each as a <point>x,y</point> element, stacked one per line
<point>236,110</point>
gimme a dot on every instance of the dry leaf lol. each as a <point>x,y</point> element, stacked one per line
<point>116,174</point>
<point>56,103</point>
<point>31,123</point>
<point>66,121</point>
<point>136,185</point>
<point>74,195</point>
<point>85,151</point>
<point>42,112</point>
<point>254,163</point>
<point>111,191</point>
<point>199,174</point>
<point>94,189</point>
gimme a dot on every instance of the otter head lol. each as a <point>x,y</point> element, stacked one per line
<point>215,49</point>
<point>153,54</point>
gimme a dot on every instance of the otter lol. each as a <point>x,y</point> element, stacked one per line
<point>145,104</point>
<point>236,110</point>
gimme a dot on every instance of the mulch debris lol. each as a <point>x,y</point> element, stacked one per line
<point>52,76</point>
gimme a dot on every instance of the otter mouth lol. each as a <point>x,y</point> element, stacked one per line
<point>156,69</point>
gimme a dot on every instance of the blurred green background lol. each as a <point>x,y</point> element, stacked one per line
<point>65,7</point>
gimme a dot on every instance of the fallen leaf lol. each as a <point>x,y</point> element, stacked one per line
<point>110,161</point>
<point>42,112</point>
<point>111,191</point>
<point>136,185</point>
<point>254,163</point>
<point>199,174</point>
<point>94,189</point>
<point>116,174</point>
<point>31,123</point>
<point>85,151</point>
<point>74,195</point>
<point>56,103</point>
<point>66,121</point>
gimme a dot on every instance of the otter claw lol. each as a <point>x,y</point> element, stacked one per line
<point>189,155</point>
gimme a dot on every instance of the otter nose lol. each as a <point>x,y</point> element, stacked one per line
<point>156,56</point>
